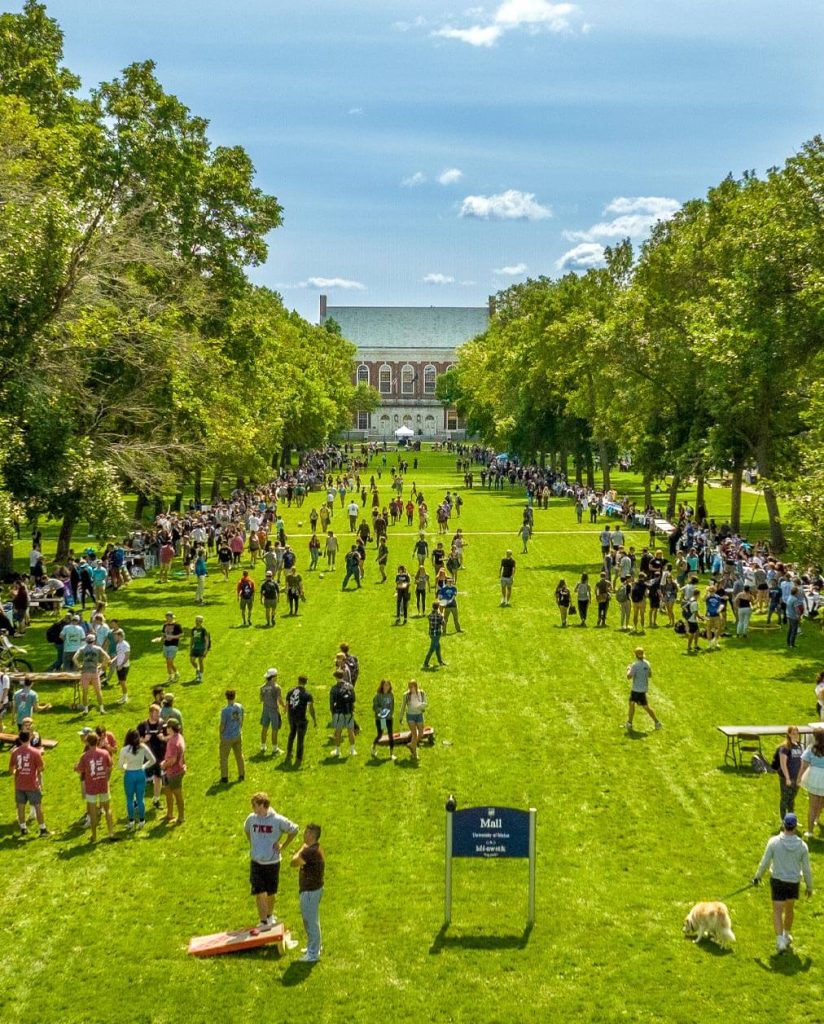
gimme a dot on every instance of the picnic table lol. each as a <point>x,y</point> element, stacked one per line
<point>664,526</point>
<point>746,739</point>
<point>45,677</point>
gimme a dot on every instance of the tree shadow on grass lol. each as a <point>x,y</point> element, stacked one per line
<point>788,963</point>
<point>566,568</point>
<point>443,940</point>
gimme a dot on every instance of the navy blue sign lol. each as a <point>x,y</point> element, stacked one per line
<point>490,832</point>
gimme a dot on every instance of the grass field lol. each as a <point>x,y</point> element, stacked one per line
<point>632,829</point>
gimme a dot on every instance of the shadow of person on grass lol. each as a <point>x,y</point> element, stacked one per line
<point>788,963</point>
<point>297,972</point>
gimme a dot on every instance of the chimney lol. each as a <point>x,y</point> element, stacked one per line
<point>322,308</point>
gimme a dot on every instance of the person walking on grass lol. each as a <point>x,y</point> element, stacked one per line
<point>383,705</point>
<point>639,673</point>
<point>603,592</point>
<point>135,757</point>
<point>231,737</point>
<point>525,532</point>
<point>26,765</point>
<point>298,699</point>
<point>201,572</point>
<point>506,574</point>
<point>353,567</point>
<point>312,863</point>
<point>788,858</point>
<point>811,778</point>
<point>173,767</point>
<point>788,756</point>
<point>199,647</point>
<point>246,597</point>
<point>436,625</point>
<point>413,707</point>
<point>271,700</point>
<point>563,598</point>
<point>95,769</point>
<point>91,660</point>
<point>690,612</point>
<point>402,584</point>
<point>331,550</point>
<point>170,638</point>
<point>583,597</point>
<point>264,828</point>
<point>342,707</point>
<point>421,590</point>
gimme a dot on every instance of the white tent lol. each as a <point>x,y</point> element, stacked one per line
<point>404,432</point>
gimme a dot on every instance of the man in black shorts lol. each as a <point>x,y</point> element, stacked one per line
<point>789,856</point>
<point>639,673</point>
<point>506,575</point>
<point>264,827</point>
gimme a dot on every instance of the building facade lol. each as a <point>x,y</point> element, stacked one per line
<point>401,352</point>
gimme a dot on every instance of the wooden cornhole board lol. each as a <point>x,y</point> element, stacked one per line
<point>8,738</point>
<point>244,938</point>
<point>400,738</point>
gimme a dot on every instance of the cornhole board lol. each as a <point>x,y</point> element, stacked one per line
<point>10,737</point>
<point>405,737</point>
<point>233,942</point>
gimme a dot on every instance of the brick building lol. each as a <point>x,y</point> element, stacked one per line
<point>401,351</point>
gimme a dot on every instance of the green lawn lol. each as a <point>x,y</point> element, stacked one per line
<point>631,829</point>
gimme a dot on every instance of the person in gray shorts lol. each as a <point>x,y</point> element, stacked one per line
<point>639,673</point>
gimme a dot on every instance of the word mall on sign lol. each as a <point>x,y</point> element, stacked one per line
<point>492,823</point>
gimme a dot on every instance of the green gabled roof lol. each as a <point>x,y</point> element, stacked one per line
<point>409,326</point>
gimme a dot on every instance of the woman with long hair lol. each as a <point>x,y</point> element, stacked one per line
<point>413,706</point>
<point>383,705</point>
<point>583,595</point>
<point>135,758</point>
<point>563,598</point>
<point>789,763</point>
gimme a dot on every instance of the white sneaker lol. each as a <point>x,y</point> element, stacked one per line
<point>130,826</point>
<point>627,726</point>
<point>336,752</point>
<point>102,710</point>
<point>352,752</point>
<point>788,939</point>
<point>123,700</point>
<point>659,725</point>
<point>263,748</point>
<point>276,751</point>
<point>780,944</point>
<point>271,920</point>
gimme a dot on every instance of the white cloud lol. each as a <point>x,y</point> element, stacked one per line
<point>354,111</point>
<point>514,270</point>
<point>509,205</point>
<point>333,282</point>
<point>636,216</point>
<point>582,257</point>
<point>418,178</point>
<point>438,279</point>
<point>534,15</point>
<point>476,35</point>
<point>450,176</point>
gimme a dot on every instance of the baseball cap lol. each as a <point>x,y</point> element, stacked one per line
<point>270,672</point>
<point>269,572</point>
<point>85,731</point>
<point>790,821</point>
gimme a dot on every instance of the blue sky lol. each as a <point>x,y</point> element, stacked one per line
<point>432,154</point>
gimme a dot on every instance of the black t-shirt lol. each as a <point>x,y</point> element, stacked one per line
<point>639,591</point>
<point>507,567</point>
<point>269,589</point>
<point>172,632</point>
<point>402,581</point>
<point>298,700</point>
<point>152,734</point>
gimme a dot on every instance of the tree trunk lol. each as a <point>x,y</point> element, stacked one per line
<point>240,483</point>
<point>159,506</point>
<point>178,501</point>
<point>140,507</point>
<point>553,461</point>
<point>564,463</point>
<point>603,454</point>
<point>6,561</point>
<point>673,496</point>
<point>543,460</point>
<point>735,498</point>
<point>286,456</point>
<point>216,482</point>
<point>647,489</point>
<point>198,487</point>
<point>778,541</point>
<point>579,468</point>
<point>64,538</point>
<point>700,502</point>
<point>590,464</point>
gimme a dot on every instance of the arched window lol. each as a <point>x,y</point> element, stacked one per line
<point>385,380</point>
<point>430,376</point>
<point>429,425</point>
<point>407,421</point>
<point>363,374</point>
<point>407,380</point>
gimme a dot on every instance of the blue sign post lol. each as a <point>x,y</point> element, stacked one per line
<point>489,832</point>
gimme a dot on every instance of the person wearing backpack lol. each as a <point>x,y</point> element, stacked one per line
<point>787,762</point>
<point>269,594</point>
<point>342,706</point>
<point>246,597</point>
<point>689,609</point>
<point>622,596</point>
<point>352,663</point>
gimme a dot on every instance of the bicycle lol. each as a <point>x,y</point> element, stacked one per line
<point>10,659</point>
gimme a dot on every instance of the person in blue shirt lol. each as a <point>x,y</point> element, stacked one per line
<point>231,739</point>
<point>201,572</point>
<point>714,605</point>
<point>448,600</point>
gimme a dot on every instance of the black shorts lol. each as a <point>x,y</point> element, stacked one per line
<point>692,627</point>
<point>264,878</point>
<point>638,698</point>
<point>154,771</point>
<point>783,890</point>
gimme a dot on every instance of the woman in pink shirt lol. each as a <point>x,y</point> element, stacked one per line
<point>173,767</point>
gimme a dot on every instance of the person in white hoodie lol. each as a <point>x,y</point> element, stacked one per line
<point>788,854</point>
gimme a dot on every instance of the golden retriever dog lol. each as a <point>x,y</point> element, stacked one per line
<point>711,920</point>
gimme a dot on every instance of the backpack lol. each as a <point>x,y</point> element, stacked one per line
<point>246,590</point>
<point>354,667</point>
<point>686,609</point>
<point>775,764</point>
<point>345,699</point>
<point>621,594</point>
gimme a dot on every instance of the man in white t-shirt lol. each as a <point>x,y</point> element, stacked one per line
<point>640,672</point>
